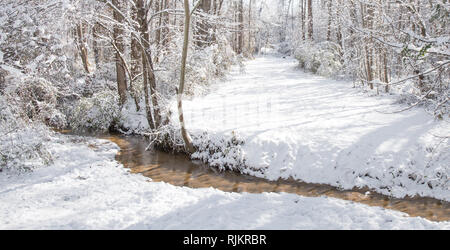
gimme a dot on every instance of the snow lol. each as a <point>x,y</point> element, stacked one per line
<point>86,188</point>
<point>317,130</point>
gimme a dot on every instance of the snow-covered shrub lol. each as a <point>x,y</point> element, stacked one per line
<point>39,100</point>
<point>435,102</point>
<point>133,121</point>
<point>22,144</point>
<point>24,149</point>
<point>35,50</point>
<point>10,114</point>
<point>323,59</point>
<point>208,64</point>
<point>224,56</point>
<point>198,70</point>
<point>33,98</point>
<point>35,41</point>
<point>220,152</point>
<point>284,48</point>
<point>99,112</point>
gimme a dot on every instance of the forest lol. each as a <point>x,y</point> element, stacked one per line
<point>351,94</point>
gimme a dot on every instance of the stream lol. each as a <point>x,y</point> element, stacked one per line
<point>179,170</point>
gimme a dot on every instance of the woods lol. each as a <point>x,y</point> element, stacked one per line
<point>101,100</point>
<point>141,41</point>
<point>381,45</point>
<point>393,47</point>
<point>130,58</point>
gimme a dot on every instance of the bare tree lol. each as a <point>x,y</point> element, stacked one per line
<point>187,21</point>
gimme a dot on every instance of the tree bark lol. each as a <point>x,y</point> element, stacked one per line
<point>136,62</point>
<point>250,49</point>
<point>203,39</point>
<point>310,21</point>
<point>303,8</point>
<point>82,46</point>
<point>95,46</point>
<point>241,27</point>
<point>368,23</point>
<point>144,37</point>
<point>118,40</point>
<point>329,3</point>
<point>186,137</point>
<point>165,23</point>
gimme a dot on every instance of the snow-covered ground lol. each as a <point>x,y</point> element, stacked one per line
<point>318,130</point>
<point>86,188</point>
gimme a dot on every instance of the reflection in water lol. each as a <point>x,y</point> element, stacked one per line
<point>180,171</point>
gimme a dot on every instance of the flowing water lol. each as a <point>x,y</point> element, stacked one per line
<point>179,170</point>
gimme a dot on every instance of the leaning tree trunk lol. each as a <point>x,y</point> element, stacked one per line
<point>186,137</point>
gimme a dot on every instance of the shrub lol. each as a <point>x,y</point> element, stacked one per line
<point>22,144</point>
<point>39,100</point>
<point>323,59</point>
<point>223,153</point>
<point>98,113</point>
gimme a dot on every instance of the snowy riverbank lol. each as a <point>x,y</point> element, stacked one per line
<point>86,188</point>
<point>294,124</point>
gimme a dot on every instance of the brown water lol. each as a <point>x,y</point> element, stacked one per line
<point>180,171</point>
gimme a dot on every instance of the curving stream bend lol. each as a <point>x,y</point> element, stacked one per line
<point>179,170</point>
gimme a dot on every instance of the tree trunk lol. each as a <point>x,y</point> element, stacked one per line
<point>82,46</point>
<point>95,46</point>
<point>250,49</point>
<point>165,23</point>
<point>329,20</point>
<point>241,27</point>
<point>148,70</point>
<point>144,37</point>
<point>310,21</point>
<point>136,62</point>
<point>120,69</point>
<point>186,137</point>
<point>385,71</point>
<point>203,39</point>
<point>158,28</point>
<point>368,46</point>
<point>154,92</point>
<point>303,8</point>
